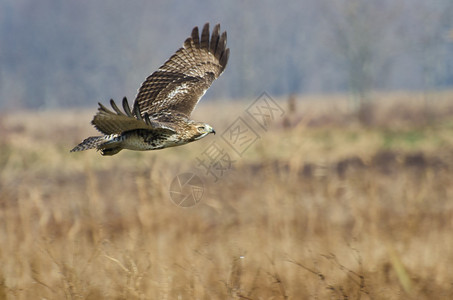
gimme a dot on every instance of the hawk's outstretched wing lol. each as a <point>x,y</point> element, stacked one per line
<point>109,122</point>
<point>179,84</point>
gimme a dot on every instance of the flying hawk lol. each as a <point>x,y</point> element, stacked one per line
<point>160,116</point>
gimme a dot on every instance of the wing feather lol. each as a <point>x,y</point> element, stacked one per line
<point>126,107</point>
<point>205,37</point>
<point>115,108</point>
<point>183,79</point>
<point>109,122</point>
<point>214,39</point>
<point>196,37</point>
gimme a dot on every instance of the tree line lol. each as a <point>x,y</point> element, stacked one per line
<point>76,53</point>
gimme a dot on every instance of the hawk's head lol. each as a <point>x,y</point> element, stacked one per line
<point>202,130</point>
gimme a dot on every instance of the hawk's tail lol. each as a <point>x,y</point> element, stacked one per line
<point>107,144</point>
<point>90,143</point>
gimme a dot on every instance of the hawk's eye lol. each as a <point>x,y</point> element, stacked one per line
<point>201,129</point>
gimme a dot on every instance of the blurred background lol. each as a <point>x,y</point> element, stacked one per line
<point>346,193</point>
<point>76,53</point>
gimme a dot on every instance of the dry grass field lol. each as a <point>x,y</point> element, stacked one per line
<point>319,207</point>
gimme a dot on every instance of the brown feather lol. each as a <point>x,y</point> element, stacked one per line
<point>196,37</point>
<point>115,108</point>
<point>204,44</point>
<point>109,122</point>
<point>221,45</point>
<point>126,107</point>
<point>214,39</point>
<point>183,79</point>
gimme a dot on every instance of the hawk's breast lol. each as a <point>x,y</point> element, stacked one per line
<point>148,140</point>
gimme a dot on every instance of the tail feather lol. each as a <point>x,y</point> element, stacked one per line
<point>90,143</point>
<point>107,144</point>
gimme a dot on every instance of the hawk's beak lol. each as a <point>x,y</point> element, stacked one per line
<point>213,131</point>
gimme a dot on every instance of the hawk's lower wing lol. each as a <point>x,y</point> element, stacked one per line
<point>179,84</point>
<point>109,122</point>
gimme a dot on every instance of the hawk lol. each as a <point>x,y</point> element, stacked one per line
<point>160,116</point>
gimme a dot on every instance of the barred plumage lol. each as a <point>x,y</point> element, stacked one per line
<point>160,115</point>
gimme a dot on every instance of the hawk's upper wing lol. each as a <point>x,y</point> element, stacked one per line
<point>109,122</point>
<point>179,84</point>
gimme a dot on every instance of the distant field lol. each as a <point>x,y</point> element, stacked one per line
<point>320,206</point>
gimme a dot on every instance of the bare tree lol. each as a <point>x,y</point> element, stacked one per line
<point>357,32</point>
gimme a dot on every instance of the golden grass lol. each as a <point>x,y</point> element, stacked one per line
<point>322,209</point>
